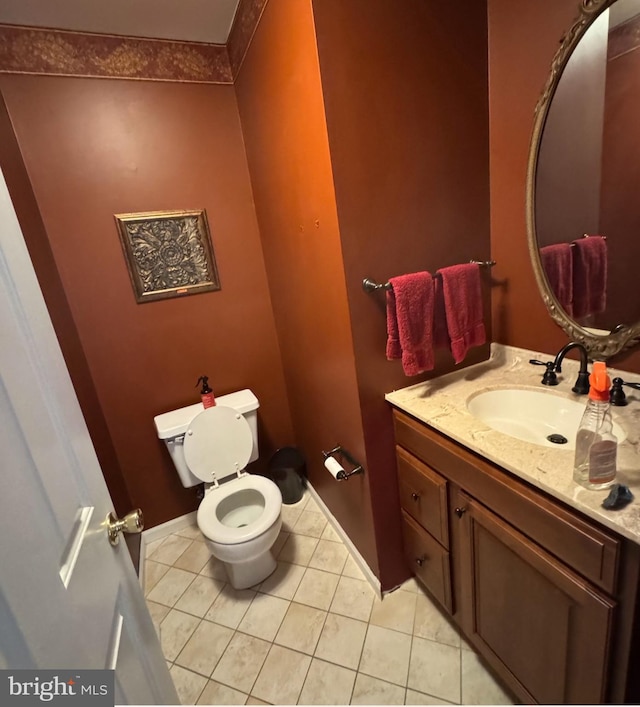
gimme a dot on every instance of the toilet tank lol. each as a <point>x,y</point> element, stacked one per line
<point>171,428</point>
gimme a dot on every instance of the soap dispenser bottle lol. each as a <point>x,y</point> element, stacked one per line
<point>596,445</point>
<point>208,399</point>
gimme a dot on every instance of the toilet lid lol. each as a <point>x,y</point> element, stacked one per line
<point>217,442</point>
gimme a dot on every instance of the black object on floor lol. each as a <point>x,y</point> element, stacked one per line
<point>287,469</point>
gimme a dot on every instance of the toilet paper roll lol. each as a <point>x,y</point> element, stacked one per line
<point>334,468</point>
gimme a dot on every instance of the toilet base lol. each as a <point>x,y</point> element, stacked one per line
<point>243,575</point>
<point>250,562</point>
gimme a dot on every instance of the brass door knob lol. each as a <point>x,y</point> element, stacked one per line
<point>132,523</point>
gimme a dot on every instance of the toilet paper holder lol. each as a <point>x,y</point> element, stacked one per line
<point>344,475</point>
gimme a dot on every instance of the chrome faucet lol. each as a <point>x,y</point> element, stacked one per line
<point>581,386</point>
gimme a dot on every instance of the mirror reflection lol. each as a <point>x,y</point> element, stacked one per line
<point>587,179</point>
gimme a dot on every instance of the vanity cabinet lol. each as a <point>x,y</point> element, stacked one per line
<point>545,595</point>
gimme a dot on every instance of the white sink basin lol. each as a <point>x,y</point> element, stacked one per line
<point>532,415</point>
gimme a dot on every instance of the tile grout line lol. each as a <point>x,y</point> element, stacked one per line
<point>237,630</point>
<point>272,641</point>
<point>313,655</point>
<point>460,694</point>
<point>413,635</point>
<point>202,619</point>
<point>253,684</point>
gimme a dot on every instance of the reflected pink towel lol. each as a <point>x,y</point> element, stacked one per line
<point>557,262</point>
<point>463,308</point>
<point>410,322</point>
<point>589,276</point>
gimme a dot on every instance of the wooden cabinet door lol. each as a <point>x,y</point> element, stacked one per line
<point>542,627</point>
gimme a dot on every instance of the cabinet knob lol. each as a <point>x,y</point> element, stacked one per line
<point>460,511</point>
<point>415,496</point>
<point>420,560</point>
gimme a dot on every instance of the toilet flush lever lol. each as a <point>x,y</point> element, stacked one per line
<point>132,523</point>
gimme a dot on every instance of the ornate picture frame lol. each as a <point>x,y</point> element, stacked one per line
<point>168,253</point>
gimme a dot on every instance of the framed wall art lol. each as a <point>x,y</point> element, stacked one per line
<point>168,253</point>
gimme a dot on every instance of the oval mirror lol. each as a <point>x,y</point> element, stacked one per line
<point>583,180</point>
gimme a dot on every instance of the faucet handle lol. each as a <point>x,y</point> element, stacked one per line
<point>617,395</point>
<point>549,377</point>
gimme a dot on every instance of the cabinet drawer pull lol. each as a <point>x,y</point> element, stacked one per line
<point>415,496</point>
<point>460,511</point>
<point>421,560</point>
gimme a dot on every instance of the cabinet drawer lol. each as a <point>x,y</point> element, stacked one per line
<point>584,547</point>
<point>423,495</point>
<point>428,559</point>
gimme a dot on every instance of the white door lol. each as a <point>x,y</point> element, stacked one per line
<point>68,598</point>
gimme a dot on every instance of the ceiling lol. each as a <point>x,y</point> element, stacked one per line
<point>188,20</point>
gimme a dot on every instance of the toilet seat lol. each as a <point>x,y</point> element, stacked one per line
<point>218,443</point>
<point>216,531</point>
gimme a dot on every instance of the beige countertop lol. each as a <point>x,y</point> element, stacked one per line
<point>441,403</point>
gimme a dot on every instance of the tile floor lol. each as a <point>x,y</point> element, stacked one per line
<point>312,633</point>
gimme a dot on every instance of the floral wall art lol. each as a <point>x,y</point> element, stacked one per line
<point>168,253</point>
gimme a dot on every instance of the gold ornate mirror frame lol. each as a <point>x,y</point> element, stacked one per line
<point>600,347</point>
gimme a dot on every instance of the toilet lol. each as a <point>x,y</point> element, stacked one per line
<point>239,515</point>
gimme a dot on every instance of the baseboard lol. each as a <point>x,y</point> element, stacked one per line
<point>171,526</point>
<point>353,550</point>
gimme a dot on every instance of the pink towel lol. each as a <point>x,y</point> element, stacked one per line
<point>557,262</point>
<point>410,322</point>
<point>463,308</point>
<point>589,276</point>
<point>394,350</point>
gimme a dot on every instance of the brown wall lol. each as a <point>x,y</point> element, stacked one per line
<point>93,148</point>
<point>397,188</point>
<point>33,229</point>
<point>409,151</point>
<point>280,100</point>
<point>523,38</point>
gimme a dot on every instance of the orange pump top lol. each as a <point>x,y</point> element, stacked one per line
<point>599,382</point>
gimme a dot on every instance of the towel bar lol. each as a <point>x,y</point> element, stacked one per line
<point>586,235</point>
<point>369,285</point>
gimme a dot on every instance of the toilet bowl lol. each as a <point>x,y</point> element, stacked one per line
<point>240,521</point>
<point>239,516</point>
